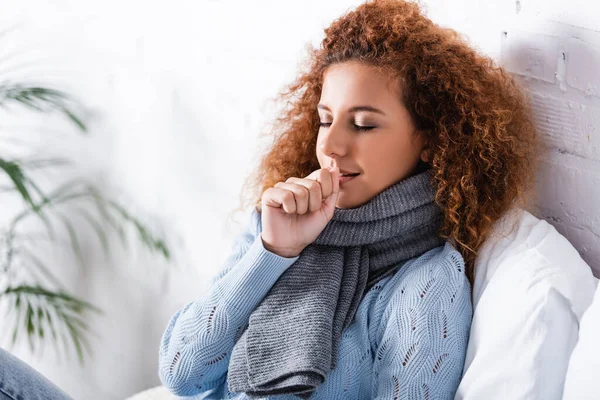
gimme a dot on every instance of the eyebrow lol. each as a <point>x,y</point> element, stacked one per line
<point>355,108</point>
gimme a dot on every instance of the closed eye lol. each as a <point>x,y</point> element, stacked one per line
<point>363,128</point>
<point>357,127</point>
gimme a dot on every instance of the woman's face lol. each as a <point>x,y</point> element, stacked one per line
<point>356,95</point>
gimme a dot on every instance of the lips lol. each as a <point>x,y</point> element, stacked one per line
<point>343,179</point>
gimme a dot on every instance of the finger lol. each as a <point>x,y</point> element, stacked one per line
<point>335,178</point>
<point>280,198</point>
<point>331,201</point>
<point>315,192</point>
<point>301,195</point>
<point>314,174</point>
<point>325,178</point>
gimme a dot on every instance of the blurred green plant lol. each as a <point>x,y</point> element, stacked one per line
<point>42,308</point>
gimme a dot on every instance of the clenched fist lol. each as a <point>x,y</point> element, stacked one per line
<point>296,211</point>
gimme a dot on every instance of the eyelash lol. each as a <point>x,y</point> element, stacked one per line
<point>357,127</point>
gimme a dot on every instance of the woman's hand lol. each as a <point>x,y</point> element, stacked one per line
<point>296,211</point>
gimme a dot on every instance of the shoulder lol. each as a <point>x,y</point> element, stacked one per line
<point>439,270</point>
<point>427,284</point>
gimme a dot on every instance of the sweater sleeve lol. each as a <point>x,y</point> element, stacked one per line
<point>423,334</point>
<point>196,345</point>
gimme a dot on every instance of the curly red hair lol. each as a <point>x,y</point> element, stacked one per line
<point>475,116</point>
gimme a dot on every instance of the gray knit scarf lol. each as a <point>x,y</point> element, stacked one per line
<point>292,337</point>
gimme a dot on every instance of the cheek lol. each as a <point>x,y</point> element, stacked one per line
<point>320,157</point>
<point>389,156</point>
<point>319,149</point>
<point>377,150</point>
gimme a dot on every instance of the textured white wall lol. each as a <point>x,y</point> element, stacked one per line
<point>179,94</point>
<point>554,49</point>
<point>560,63</point>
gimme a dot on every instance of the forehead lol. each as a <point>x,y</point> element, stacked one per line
<point>349,82</point>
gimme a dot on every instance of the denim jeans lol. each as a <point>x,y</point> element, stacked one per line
<point>19,381</point>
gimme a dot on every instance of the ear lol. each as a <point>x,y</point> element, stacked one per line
<point>426,155</point>
<point>426,152</point>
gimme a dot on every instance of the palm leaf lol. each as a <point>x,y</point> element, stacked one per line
<point>15,173</point>
<point>144,234</point>
<point>104,212</point>
<point>41,99</point>
<point>74,240</point>
<point>95,225</point>
<point>57,196</point>
<point>38,303</point>
<point>41,313</point>
<point>44,163</point>
<point>23,185</point>
<point>43,269</point>
<point>110,212</point>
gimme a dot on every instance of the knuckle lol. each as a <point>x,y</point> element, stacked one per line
<point>288,196</point>
<point>304,191</point>
<point>297,190</point>
<point>314,186</point>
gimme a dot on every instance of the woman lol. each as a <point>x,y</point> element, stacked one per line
<point>400,147</point>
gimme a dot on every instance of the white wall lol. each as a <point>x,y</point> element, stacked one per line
<point>179,94</point>
<point>554,48</point>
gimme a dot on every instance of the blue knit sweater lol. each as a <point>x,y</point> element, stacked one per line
<point>408,339</point>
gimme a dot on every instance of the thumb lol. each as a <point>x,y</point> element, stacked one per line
<point>332,200</point>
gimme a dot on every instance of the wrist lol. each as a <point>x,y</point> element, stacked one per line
<point>286,253</point>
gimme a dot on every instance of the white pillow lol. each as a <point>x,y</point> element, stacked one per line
<point>531,289</point>
<point>155,393</point>
<point>582,382</point>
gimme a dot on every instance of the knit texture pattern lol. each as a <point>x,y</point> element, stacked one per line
<point>407,340</point>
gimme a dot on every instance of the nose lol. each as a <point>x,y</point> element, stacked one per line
<point>333,141</point>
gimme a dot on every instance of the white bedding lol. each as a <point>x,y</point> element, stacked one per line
<point>581,382</point>
<point>531,291</point>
